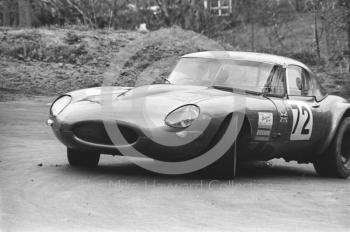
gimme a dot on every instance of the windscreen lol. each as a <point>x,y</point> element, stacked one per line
<point>239,74</point>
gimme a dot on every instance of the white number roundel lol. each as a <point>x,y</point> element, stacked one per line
<point>302,121</point>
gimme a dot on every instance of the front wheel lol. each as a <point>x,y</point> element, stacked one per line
<point>225,167</point>
<point>81,158</point>
<point>336,162</point>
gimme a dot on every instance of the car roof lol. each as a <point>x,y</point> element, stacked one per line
<point>249,56</point>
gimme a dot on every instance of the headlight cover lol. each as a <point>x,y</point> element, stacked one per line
<point>59,105</point>
<point>182,117</point>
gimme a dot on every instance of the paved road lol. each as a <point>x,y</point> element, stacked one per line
<point>119,196</point>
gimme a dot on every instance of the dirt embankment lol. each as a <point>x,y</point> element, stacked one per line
<point>53,61</point>
<point>47,62</point>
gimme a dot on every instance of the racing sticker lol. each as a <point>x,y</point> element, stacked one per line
<point>302,121</point>
<point>265,120</point>
<point>263,133</point>
<point>283,116</point>
<point>265,124</point>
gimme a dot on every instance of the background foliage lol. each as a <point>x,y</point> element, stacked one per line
<point>316,32</point>
<point>266,25</point>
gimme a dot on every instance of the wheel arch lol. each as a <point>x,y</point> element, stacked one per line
<point>246,127</point>
<point>339,111</point>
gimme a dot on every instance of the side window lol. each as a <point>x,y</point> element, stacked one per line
<point>276,83</point>
<point>299,82</point>
<point>307,85</point>
<point>294,75</point>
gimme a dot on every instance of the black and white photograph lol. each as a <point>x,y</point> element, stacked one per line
<point>175,115</point>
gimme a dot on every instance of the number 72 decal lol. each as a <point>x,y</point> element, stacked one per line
<point>302,121</point>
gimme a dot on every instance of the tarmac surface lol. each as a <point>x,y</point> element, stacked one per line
<point>39,191</point>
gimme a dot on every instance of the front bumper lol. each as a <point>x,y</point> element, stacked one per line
<point>68,134</point>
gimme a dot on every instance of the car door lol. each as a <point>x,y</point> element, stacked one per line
<point>276,91</point>
<point>304,113</point>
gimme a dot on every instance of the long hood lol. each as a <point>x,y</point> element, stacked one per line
<point>134,105</point>
<point>171,94</point>
<point>159,96</point>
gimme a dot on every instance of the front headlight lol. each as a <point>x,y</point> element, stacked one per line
<point>182,117</point>
<point>59,105</point>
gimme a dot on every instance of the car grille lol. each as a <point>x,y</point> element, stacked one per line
<point>94,132</point>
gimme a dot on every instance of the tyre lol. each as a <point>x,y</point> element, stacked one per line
<point>225,167</point>
<point>336,161</point>
<point>81,158</point>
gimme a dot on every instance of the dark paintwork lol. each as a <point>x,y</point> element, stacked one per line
<point>162,99</point>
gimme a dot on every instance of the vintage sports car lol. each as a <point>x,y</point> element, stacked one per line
<point>287,114</point>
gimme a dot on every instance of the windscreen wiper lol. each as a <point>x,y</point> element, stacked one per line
<point>236,90</point>
<point>253,92</point>
<point>224,88</point>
